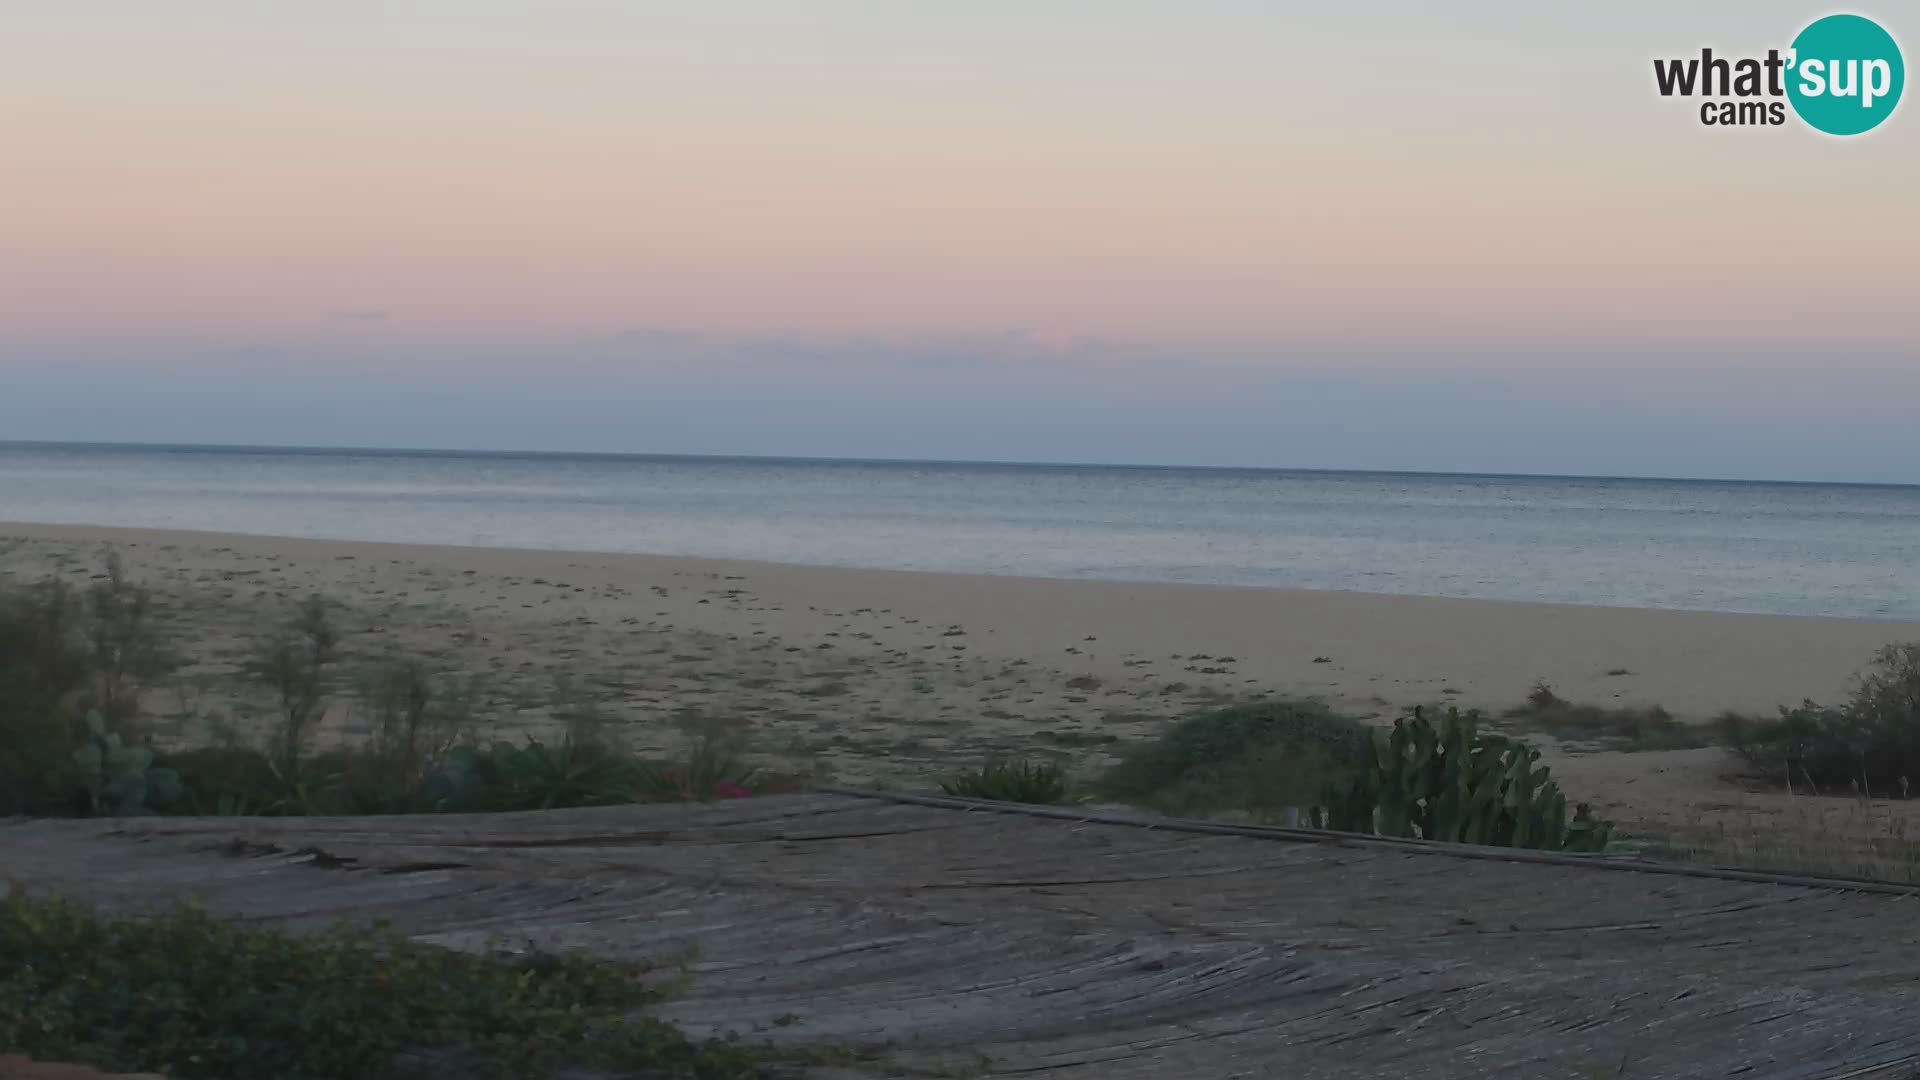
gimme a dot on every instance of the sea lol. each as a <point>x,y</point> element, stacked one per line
<point>1786,548</point>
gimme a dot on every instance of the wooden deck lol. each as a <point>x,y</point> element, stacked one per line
<point>984,943</point>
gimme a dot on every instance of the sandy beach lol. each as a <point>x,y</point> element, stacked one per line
<point>885,676</point>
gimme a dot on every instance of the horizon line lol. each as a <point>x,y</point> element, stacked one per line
<point>639,455</point>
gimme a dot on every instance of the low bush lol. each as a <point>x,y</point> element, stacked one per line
<point>1869,746</point>
<point>1623,728</point>
<point>227,780</point>
<point>73,663</point>
<point>573,770</point>
<point>191,995</point>
<point>46,687</point>
<point>1257,759</point>
<point>1021,781</point>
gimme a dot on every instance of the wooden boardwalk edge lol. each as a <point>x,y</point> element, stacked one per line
<point>1390,843</point>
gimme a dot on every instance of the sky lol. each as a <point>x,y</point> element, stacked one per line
<point>1465,236</point>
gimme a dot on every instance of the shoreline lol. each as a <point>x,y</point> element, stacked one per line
<point>144,534</point>
<point>1379,649</point>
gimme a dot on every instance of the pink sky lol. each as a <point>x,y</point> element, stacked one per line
<point>1170,188</point>
<point>588,169</point>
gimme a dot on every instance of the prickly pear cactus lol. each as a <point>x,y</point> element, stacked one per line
<point>1454,784</point>
<point>121,779</point>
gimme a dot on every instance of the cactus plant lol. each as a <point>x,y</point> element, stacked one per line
<point>122,780</point>
<point>1454,784</point>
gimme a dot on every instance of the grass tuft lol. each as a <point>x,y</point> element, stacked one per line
<point>1020,781</point>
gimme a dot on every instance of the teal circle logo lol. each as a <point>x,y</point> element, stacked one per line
<point>1845,74</point>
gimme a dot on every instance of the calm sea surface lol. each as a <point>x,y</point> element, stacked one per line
<point>1792,548</point>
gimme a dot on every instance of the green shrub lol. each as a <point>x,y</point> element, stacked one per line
<point>123,649</point>
<point>38,774</point>
<point>577,769</point>
<point>1018,781</point>
<point>224,780</point>
<point>44,677</point>
<point>502,776</point>
<point>190,995</point>
<point>298,664</point>
<point>1870,745</point>
<point>1452,783</point>
<point>43,648</point>
<point>536,775</point>
<point>1258,758</point>
<point>72,664</point>
<point>415,716</point>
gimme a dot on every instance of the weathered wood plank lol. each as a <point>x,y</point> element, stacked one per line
<point>1086,950</point>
